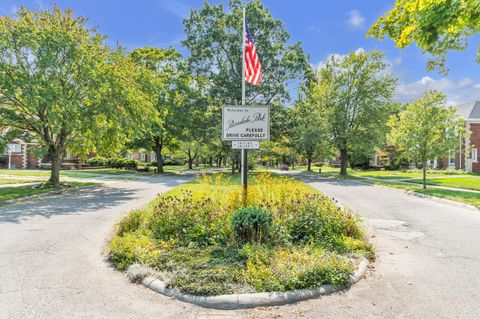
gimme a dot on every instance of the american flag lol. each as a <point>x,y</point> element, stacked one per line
<point>253,69</point>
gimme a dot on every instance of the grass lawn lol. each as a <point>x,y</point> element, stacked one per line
<point>203,238</point>
<point>385,178</point>
<point>459,196</point>
<point>24,172</point>
<point>465,182</point>
<point>18,192</point>
<point>5,181</point>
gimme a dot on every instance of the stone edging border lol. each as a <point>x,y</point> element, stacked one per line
<point>242,301</point>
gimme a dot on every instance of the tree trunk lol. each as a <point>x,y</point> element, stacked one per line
<point>158,154</point>
<point>56,157</point>
<point>237,162</point>
<point>309,165</point>
<point>210,161</point>
<point>343,162</point>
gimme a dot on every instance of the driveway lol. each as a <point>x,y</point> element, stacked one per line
<point>52,266</point>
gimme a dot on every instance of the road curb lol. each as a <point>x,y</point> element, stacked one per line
<point>262,299</point>
<point>420,195</point>
<point>442,200</point>
<point>429,197</point>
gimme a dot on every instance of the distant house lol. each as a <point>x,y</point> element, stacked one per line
<point>142,156</point>
<point>465,157</point>
<point>21,155</point>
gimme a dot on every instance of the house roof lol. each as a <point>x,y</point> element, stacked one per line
<point>470,110</point>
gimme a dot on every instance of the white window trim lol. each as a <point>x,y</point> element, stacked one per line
<point>474,155</point>
<point>14,148</point>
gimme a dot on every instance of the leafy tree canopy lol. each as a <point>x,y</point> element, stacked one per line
<point>426,129</point>
<point>62,84</point>
<point>436,26</point>
<point>214,39</point>
<point>353,96</point>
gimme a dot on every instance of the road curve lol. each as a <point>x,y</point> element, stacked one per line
<point>51,262</point>
<point>428,260</point>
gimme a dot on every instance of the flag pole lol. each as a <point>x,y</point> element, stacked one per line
<point>244,157</point>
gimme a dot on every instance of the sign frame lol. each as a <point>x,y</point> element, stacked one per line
<point>251,107</point>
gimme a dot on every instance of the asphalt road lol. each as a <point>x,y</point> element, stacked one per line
<point>52,266</point>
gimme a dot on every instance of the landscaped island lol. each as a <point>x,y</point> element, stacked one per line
<point>204,239</point>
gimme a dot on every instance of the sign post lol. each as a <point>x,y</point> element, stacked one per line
<point>245,126</point>
<point>244,155</point>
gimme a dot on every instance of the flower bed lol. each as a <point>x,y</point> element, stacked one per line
<point>203,238</point>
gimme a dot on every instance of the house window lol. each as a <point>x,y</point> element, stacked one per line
<point>14,148</point>
<point>142,156</point>
<point>451,158</point>
<point>474,155</point>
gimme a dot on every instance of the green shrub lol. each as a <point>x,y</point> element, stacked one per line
<point>251,224</point>
<point>168,162</point>
<point>120,162</point>
<point>97,161</point>
<point>319,164</point>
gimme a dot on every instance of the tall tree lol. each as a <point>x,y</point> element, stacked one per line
<point>437,27</point>
<point>60,82</point>
<point>426,129</point>
<point>167,87</point>
<point>352,94</point>
<point>214,39</point>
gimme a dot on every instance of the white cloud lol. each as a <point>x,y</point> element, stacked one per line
<point>176,7</point>
<point>458,91</point>
<point>397,61</point>
<point>356,19</point>
<point>313,28</point>
<point>336,56</point>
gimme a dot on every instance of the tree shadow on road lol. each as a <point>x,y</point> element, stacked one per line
<point>80,201</point>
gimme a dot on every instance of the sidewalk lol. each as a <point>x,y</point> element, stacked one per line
<point>404,181</point>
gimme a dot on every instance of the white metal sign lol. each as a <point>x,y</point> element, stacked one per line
<point>246,123</point>
<point>248,145</point>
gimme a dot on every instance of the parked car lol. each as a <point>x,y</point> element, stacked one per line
<point>284,167</point>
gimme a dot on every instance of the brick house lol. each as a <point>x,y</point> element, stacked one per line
<point>465,157</point>
<point>21,155</point>
<point>142,155</point>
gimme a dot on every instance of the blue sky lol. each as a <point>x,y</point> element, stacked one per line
<point>324,28</point>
